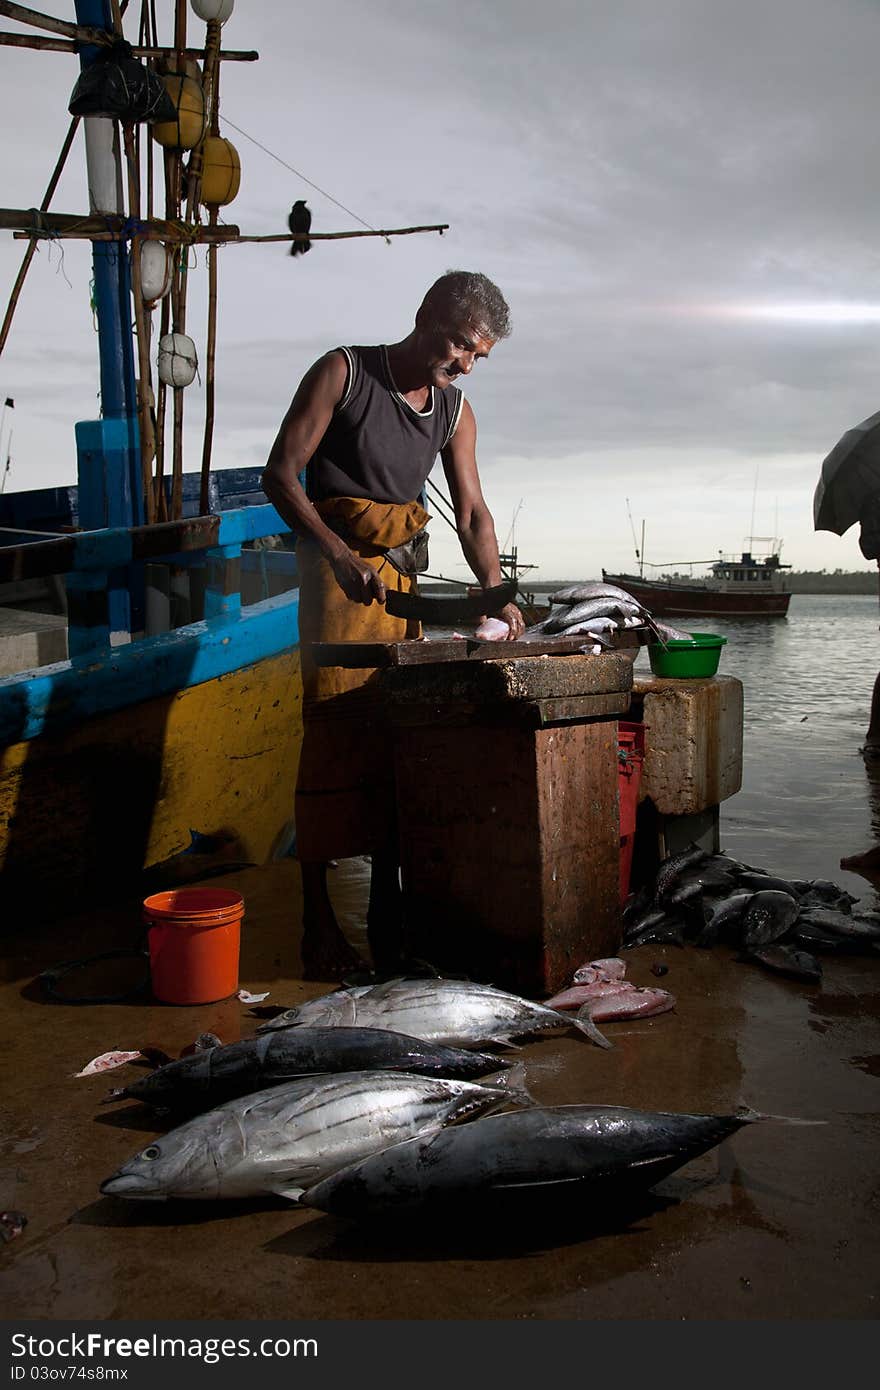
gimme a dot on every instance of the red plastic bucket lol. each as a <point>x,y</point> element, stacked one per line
<point>630,758</point>
<point>194,938</point>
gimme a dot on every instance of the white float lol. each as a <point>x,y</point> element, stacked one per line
<point>177,359</point>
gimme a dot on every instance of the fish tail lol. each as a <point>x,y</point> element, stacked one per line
<point>584,1023</point>
<point>513,1082</point>
<point>747,1115</point>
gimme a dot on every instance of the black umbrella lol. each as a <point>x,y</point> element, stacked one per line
<point>850,478</point>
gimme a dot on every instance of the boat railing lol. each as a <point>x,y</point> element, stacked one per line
<point>103,672</point>
<point>87,559</point>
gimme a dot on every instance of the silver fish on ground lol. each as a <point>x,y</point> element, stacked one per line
<point>459,1013</point>
<point>840,924</point>
<point>282,1140</point>
<point>768,917</point>
<point>672,867</point>
<point>724,917</point>
<point>578,1148</point>
<point>209,1078</point>
<point>786,960</point>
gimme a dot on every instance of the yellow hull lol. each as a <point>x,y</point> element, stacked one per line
<point>90,806</point>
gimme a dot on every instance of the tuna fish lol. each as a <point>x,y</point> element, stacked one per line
<point>209,1078</point>
<point>284,1139</point>
<point>595,1146</point>
<point>457,1012</point>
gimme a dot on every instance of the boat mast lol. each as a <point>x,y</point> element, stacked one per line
<point>108,456</point>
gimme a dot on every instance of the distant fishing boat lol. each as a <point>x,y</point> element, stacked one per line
<point>750,585</point>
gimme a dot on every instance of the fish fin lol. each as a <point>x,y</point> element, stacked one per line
<point>506,1042</point>
<point>115,1093</point>
<point>584,1023</point>
<point>748,1116</point>
<point>292,1193</point>
<point>514,1083</point>
<point>536,1182</point>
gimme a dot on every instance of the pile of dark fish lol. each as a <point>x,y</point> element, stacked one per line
<point>777,923</point>
<point>596,611</point>
<point>332,1102</point>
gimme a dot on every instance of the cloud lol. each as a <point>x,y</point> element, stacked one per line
<point>618,170</point>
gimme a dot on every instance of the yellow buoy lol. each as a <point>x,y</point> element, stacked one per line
<point>221,171</point>
<point>186,131</point>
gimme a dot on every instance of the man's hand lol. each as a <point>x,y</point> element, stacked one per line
<point>357,580</point>
<point>514,619</point>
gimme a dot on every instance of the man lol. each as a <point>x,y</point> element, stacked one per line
<point>367,424</point>
<point>869,544</point>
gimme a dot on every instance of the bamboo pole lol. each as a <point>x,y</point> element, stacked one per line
<point>40,41</point>
<point>81,33</point>
<point>161,401</point>
<point>440,227</point>
<point>145,419</point>
<point>204,489</point>
<point>32,245</point>
<point>106,226</point>
<point>212,100</point>
<point>178,291</point>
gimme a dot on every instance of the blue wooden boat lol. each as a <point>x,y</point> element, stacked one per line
<point>142,745</point>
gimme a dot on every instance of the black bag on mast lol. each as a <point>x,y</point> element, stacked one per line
<point>116,84</point>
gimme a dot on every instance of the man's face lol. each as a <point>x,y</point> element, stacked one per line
<point>452,350</point>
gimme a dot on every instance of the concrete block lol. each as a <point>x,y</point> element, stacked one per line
<point>517,678</point>
<point>693,741</point>
<point>28,640</point>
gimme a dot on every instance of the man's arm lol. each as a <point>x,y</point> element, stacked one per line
<point>476,529</point>
<point>302,430</point>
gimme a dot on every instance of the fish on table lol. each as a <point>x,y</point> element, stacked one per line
<point>279,1141</point>
<point>583,1150</point>
<point>209,1078</point>
<point>459,1013</point>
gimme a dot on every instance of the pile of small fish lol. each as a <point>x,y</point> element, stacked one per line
<point>777,923</point>
<point>596,611</point>
<point>600,989</point>
<point>301,1110</point>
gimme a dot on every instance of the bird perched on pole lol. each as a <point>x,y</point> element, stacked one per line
<point>300,220</point>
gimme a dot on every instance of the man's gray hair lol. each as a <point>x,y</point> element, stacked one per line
<point>465,296</point>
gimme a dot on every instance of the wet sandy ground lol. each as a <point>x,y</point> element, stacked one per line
<point>780,1222</point>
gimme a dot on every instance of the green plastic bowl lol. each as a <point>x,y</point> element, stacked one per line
<point>682,658</point>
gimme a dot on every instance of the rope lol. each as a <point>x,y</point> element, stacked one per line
<point>322,191</point>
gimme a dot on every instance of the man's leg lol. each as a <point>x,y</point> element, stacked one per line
<point>872,738</point>
<point>385,913</point>
<point>326,954</point>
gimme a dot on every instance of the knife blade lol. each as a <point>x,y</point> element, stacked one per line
<point>430,609</point>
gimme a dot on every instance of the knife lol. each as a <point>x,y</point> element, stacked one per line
<point>442,611</point>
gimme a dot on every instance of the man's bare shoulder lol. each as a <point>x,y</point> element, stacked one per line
<point>326,378</point>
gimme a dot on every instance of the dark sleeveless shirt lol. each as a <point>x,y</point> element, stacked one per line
<point>377,445</point>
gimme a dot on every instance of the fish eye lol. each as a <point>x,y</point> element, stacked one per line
<point>152,1152</point>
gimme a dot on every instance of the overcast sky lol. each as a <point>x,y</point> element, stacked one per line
<point>678,198</point>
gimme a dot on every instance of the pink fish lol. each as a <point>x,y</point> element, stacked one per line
<point>609,969</point>
<point>575,995</point>
<point>637,1003</point>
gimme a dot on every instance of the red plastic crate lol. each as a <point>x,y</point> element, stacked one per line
<point>630,758</point>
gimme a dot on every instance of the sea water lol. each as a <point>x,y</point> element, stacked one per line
<point>808,798</point>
